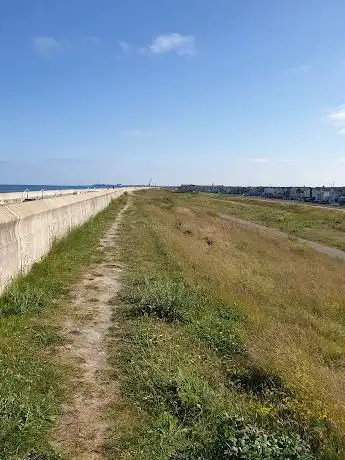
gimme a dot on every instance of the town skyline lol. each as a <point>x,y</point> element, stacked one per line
<point>323,194</point>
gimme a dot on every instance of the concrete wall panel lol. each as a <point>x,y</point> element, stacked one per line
<point>12,197</point>
<point>27,230</point>
<point>9,246</point>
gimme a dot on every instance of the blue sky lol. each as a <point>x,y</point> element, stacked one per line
<point>224,91</point>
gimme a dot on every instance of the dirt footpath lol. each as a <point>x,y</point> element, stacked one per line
<point>81,430</point>
<point>332,252</point>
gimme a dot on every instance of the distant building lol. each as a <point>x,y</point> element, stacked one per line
<point>326,195</point>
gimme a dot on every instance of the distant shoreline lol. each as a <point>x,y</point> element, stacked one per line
<point>8,188</point>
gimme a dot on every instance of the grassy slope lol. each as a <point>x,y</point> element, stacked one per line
<point>323,225</point>
<point>230,340</point>
<point>31,384</point>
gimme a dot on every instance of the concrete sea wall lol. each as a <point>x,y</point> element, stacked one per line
<point>13,197</point>
<point>28,230</point>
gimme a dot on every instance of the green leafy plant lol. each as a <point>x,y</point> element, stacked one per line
<point>236,439</point>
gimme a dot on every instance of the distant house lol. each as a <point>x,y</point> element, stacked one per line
<point>269,192</point>
<point>321,194</point>
<point>188,188</point>
<point>326,195</point>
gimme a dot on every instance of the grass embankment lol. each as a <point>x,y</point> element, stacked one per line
<point>31,383</point>
<point>324,225</point>
<point>231,344</point>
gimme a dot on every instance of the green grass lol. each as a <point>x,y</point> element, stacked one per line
<point>191,386</point>
<point>306,221</point>
<point>32,384</point>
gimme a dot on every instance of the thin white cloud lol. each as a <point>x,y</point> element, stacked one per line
<point>182,45</point>
<point>47,46</point>
<point>298,69</point>
<point>95,40</point>
<point>337,118</point>
<point>125,47</point>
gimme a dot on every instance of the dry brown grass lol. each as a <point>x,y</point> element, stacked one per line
<point>322,224</point>
<point>294,298</point>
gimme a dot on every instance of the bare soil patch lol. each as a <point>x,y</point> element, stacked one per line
<point>81,429</point>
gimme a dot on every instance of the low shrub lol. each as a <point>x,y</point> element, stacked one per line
<point>188,399</point>
<point>236,439</point>
<point>163,299</point>
<point>23,299</point>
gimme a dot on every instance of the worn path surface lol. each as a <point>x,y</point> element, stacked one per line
<point>81,430</point>
<point>332,252</point>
